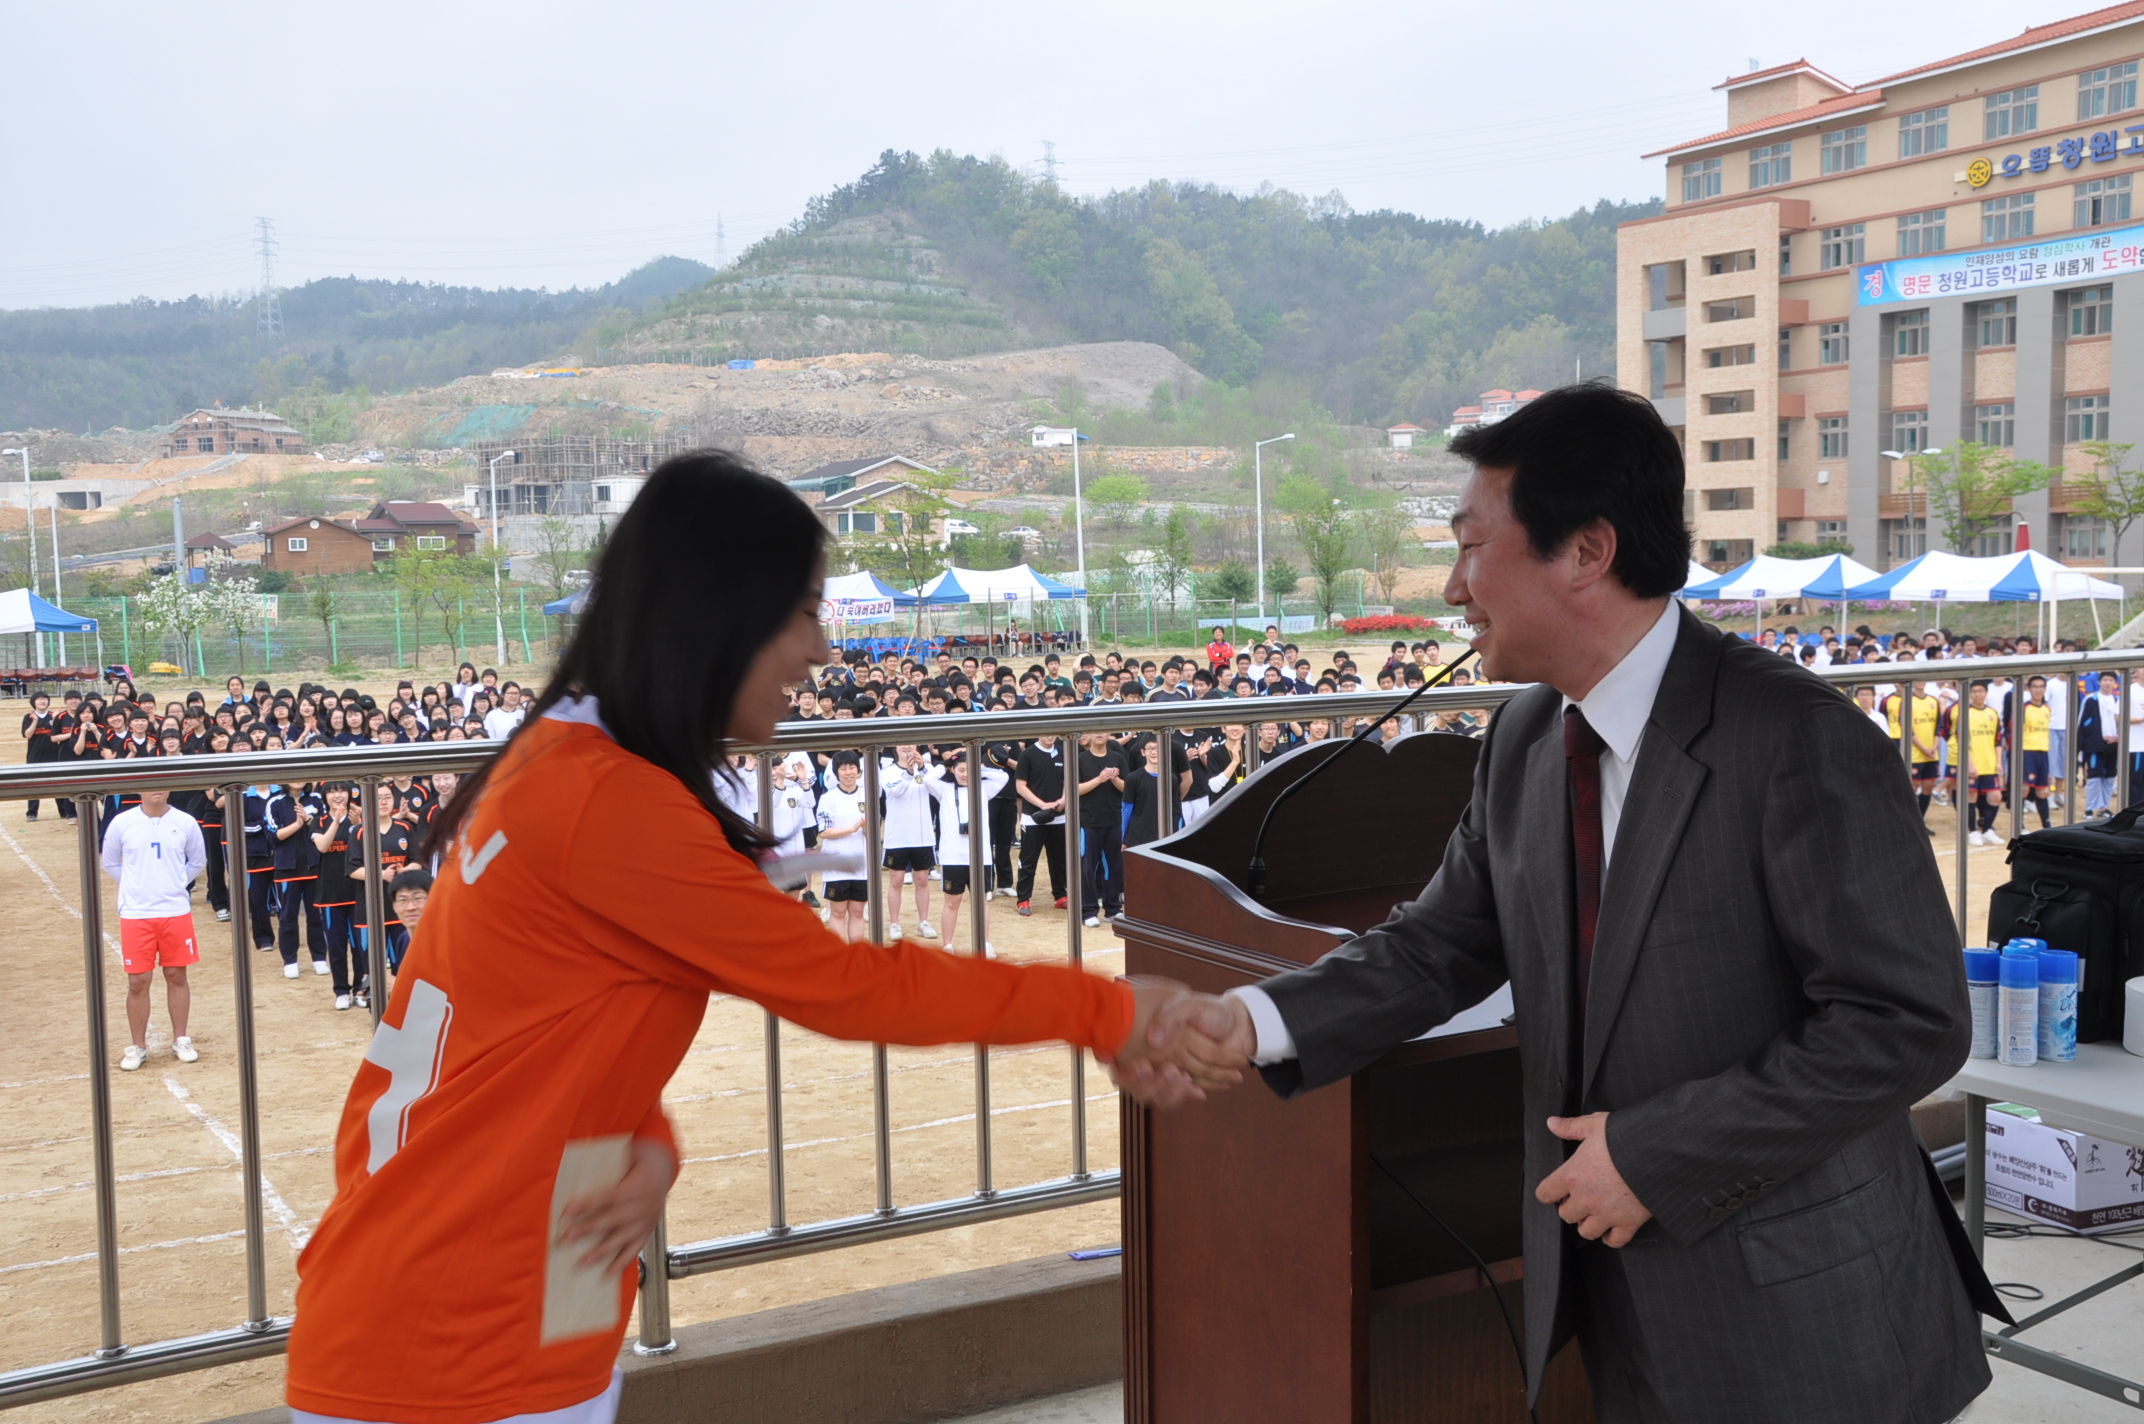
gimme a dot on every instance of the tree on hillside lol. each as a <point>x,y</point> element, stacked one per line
<point>1970,486</point>
<point>1235,582</point>
<point>170,608</point>
<point>1324,531</point>
<point>1281,577</point>
<point>560,555</point>
<point>1387,534</point>
<point>1172,554</point>
<point>2111,494</point>
<point>441,580</point>
<point>1114,496</point>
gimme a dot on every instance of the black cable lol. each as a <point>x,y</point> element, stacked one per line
<point>1254,879</point>
<point>1511,1327</point>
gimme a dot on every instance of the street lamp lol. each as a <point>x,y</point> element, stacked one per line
<point>1258,496</point>
<point>29,521</point>
<point>498,609</point>
<point>1042,436</point>
<point>1907,457</point>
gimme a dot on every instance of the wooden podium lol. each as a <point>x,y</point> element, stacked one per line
<point>1272,1275</point>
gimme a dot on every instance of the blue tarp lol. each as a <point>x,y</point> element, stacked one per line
<point>22,611</point>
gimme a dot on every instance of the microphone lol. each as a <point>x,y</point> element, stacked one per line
<point>1254,879</point>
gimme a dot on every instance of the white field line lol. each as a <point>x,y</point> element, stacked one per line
<point>124,1251</point>
<point>295,1229</point>
<point>910,1127</point>
<point>151,1176</point>
<point>155,1035</point>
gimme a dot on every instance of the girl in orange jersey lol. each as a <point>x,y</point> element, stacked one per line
<point>503,1154</point>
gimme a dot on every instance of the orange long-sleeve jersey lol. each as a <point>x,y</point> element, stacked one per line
<point>586,911</point>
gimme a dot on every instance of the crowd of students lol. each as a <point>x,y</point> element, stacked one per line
<point>304,850</point>
<point>927,792</point>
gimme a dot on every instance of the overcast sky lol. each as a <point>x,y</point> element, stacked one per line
<point>551,144</point>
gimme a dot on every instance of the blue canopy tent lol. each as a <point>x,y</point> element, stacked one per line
<point>22,611</point>
<point>572,603</point>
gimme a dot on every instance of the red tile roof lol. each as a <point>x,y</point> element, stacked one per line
<point>1758,76</point>
<point>2034,35</point>
<point>1840,104</point>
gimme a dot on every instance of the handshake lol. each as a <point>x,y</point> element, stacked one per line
<point>1182,1046</point>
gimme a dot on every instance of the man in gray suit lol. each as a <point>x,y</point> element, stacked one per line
<point>1702,872</point>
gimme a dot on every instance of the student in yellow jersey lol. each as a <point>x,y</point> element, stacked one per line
<point>1983,724</point>
<point>1927,713</point>
<point>2034,721</point>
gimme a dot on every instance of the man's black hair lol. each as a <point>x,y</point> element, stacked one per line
<point>415,877</point>
<point>1586,452</point>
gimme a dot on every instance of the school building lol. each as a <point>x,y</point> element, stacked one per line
<point>1936,256</point>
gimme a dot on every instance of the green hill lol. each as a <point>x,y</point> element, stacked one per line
<point>1377,316</point>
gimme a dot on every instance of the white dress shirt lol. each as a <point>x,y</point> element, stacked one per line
<point>1617,708</point>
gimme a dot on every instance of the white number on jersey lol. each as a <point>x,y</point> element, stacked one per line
<point>411,1055</point>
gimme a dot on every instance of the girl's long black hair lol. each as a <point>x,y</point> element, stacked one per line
<point>700,573</point>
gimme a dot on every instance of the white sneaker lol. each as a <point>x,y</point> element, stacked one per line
<point>183,1049</point>
<point>934,874</point>
<point>893,931</point>
<point>1974,838</point>
<point>1093,923</point>
<point>290,971</point>
<point>133,1058</point>
<point>342,1001</point>
<point>320,966</point>
<point>923,929</point>
<point>990,951</point>
<point>223,914</point>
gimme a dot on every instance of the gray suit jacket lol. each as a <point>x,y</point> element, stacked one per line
<point>1776,979</point>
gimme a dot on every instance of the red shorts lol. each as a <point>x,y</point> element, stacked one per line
<point>144,944</point>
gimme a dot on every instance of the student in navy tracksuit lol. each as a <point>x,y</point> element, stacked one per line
<point>297,876</point>
<point>335,895</point>
<point>259,859</point>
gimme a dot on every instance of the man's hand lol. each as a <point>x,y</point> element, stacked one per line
<point>1587,1190</point>
<point>1182,1045</point>
<point>616,1224</point>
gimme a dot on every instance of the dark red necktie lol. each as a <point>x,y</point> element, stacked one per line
<point>1582,759</point>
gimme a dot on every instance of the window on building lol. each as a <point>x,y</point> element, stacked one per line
<point>1996,424</point>
<point>603,494</point>
<point>1718,450</point>
<point>1843,246</point>
<point>1920,233</point>
<point>1656,286</point>
<point>1658,351</point>
<point>863,521</point>
<point>1771,165</point>
<point>1925,132</point>
<point>1735,310</point>
<point>2014,111</point>
<point>383,546</point>
<point>1831,344</point>
<point>295,544</point>
<point>1831,437</point>
<point>1720,500</point>
<point>1786,255</point>
<point>1721,263</point>
<point>206,444</point>
<point>1701,180</point>
<point>431,541</point>
<point>2091,311</point>
<point>2006,219</point>
<point>1843,149</point>
<point>1830,529</point>
<point>1909,431</point>
<point>1995,542</point>
<point>893,523</point>
<point>1731,356</point>
<point>1728,552</point>
<point>1731,403</point>
<point>1911,333</point>
<point>2085,418</point>
<point>1786,348</point>
<point>2107,91</point>
<point>2103,201</point>
<point>1909,540</point>
<point>1998,322</point>
<point>1782,441</point>
<point>2083,537</point>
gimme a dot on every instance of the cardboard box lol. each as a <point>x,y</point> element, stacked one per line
<point>2072,1179</point>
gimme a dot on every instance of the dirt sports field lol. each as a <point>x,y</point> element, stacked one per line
<point>183,1267</point>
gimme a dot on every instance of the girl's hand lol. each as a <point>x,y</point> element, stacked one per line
<point>616,1224</point>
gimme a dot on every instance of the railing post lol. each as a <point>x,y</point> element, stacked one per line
<point>978,926</point>
<point>2017,756</point>
<point>655,1335</point>
<point>100,1080</point>
<point>249,1105</point>
<point>1165,784</point>
<point>2121,744</point>
<point>375,899</point>
<point>875,931</point>
<point>1962,795</point>
<point>2072,709</point>
<point>777,1173</point>
<point>1074,947</point>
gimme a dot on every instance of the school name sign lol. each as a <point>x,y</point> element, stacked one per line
<point>2109,252</point>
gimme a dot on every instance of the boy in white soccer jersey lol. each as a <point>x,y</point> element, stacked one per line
<point>155,852</point>
<point>841,832</point>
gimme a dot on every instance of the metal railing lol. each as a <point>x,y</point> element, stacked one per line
<point>116,1362</point>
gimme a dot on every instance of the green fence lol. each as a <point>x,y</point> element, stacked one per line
<point>369,628</point>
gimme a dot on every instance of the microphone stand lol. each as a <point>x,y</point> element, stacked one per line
<point>1255,877</point>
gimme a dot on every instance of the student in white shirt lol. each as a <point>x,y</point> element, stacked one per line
<point>957,803</point>
<point>908,836</point>
<point>500,722</point>
<point>841,832</point>
<point>155,852</point>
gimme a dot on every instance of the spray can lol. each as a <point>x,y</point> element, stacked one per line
<point>2025,944</point>
<point>1983,969</point>
<point>2018,1010</point>
<point>2058,1005</point>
